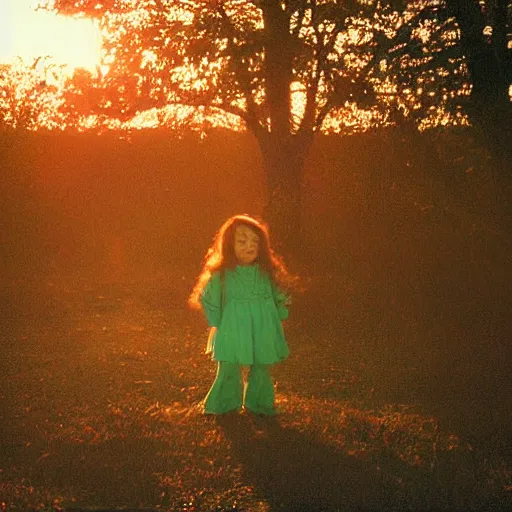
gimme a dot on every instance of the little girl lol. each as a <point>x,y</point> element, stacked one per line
<point>241,292</point>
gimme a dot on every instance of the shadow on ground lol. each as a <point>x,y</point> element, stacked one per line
<point>295,472</point>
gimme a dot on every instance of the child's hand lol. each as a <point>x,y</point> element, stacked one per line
<point>209,343</point>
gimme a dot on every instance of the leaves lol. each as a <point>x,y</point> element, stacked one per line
<point>28,97</point>
<point>245,56</point>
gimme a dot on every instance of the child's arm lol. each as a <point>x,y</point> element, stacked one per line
<point>282,301</point>
<point>209,343</point>
<point>211,300</point>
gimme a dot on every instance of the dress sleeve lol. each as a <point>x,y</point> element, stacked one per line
<point>282,301</point>
<point>211,300</point>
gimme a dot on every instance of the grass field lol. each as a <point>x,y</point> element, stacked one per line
<point>103,375</point>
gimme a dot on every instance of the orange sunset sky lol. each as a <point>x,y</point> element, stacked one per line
<point>28,33</point>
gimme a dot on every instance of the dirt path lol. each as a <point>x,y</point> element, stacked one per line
<point>102,379</point>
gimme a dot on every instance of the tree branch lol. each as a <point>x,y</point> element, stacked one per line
<point>242,74</point>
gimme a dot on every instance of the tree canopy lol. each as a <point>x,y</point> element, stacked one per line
<point>27,101</point>
<point>291,67</point>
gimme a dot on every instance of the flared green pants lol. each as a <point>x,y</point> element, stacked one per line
<point>228,394</point>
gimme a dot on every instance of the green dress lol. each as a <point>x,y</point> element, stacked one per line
<point>247,308</point>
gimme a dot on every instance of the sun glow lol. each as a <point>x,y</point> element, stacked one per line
<point>63,43</point>
<point>28,33</point>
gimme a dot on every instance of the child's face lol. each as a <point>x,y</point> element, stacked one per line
<point>247,244</point>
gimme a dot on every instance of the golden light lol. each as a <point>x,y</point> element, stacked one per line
<point>29,34</point>
<point>298,103</point>
<point>76,42</point>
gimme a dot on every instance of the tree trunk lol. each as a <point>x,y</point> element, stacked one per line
<point>489,62</point>
<point>283,152</point>
<point>283,161</point>
<point>278,66</point>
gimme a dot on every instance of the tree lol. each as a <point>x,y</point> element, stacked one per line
<point>28,99</point>
<point>86,104</point>
<point>485,28</point>
<point>486,43</point>
<point>251,58</point>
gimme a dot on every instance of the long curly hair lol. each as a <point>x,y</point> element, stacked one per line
<point>221,256</point>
